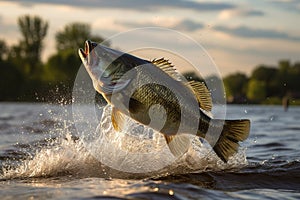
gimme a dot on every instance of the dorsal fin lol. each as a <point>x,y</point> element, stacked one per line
<point>202,94</point>
<point>167,67</point>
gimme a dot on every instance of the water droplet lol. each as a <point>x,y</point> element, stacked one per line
<point>246,111</point>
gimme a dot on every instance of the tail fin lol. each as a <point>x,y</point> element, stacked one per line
<point>233,132</point>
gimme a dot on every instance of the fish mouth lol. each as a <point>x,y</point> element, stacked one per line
<point>88,48</point>
<point>102,78</point>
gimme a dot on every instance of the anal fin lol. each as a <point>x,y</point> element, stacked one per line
<point>178,144</point>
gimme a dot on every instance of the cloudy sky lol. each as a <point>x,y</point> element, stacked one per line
<point>237,35</point>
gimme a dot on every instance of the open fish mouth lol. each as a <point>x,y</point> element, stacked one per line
<point>88,49</point>
<point>103,78</point>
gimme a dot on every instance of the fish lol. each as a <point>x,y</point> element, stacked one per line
<point>154,94</point>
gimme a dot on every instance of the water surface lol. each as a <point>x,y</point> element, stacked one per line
<point>42,156</point>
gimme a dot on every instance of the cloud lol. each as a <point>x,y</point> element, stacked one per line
<point>246,32</point>
<point>188,25</point>
<point>180,25</point>
<point>139,5</point>
<point>290,5</point>
<point>228,14</point>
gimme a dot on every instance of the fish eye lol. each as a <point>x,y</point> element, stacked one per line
<point>106,74</point>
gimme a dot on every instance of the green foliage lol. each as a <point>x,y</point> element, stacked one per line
<point>295,102</point>
<point>268,76</point>
<point>66,62</point>
<point>284,66</point>
<point>274,82</point>
<point>62,67</point>
<point>272,101</point>
<point>33,30</point>
<point>235,85</point>
<point>11,81</point>
<point>73,36</point>
<point>294,76</point>
<point>256,90</point>
<point>3,50</point>
<point>264,73</point>
<point>23,76</point>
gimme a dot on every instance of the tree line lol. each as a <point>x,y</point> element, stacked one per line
<point>23,75</point>
<point>266,84</point>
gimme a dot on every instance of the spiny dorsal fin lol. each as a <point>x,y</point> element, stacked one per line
<point>167,67</point>
<point>202,94</point>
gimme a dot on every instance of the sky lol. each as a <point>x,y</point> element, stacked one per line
<point>236,35</point>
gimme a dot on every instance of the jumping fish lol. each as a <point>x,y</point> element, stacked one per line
<point>133,86</point>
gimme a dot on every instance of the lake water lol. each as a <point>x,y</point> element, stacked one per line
<point>43,155</point>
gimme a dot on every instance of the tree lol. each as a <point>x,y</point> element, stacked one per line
<point>283,78</point>
<point>264,73</point>
<point>3,50</point>
<point>235,86</point>
<point>11,79</point>
<point>284,65</point>
<point>66,62</point>
<point>268,76</point>
<point>33,30</point>
<point>62,67</point>
<point>294,78</point>
<point>73,36</point>
<point>256,91</point>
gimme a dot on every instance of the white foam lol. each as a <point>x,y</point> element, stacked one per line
<point>137,149</point>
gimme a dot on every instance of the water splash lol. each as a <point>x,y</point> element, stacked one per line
<point>141,148</point>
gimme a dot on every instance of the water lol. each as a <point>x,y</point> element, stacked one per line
<point>43,154</point>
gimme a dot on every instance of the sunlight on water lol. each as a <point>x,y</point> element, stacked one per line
<point>137,151</point>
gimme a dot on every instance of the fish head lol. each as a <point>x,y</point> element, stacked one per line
<point>105,67</point>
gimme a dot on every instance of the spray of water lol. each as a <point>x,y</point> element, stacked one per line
<point>66,156</point>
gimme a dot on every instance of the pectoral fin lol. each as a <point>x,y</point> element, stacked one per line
<point>117,119</point>
<point>178,144</point>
